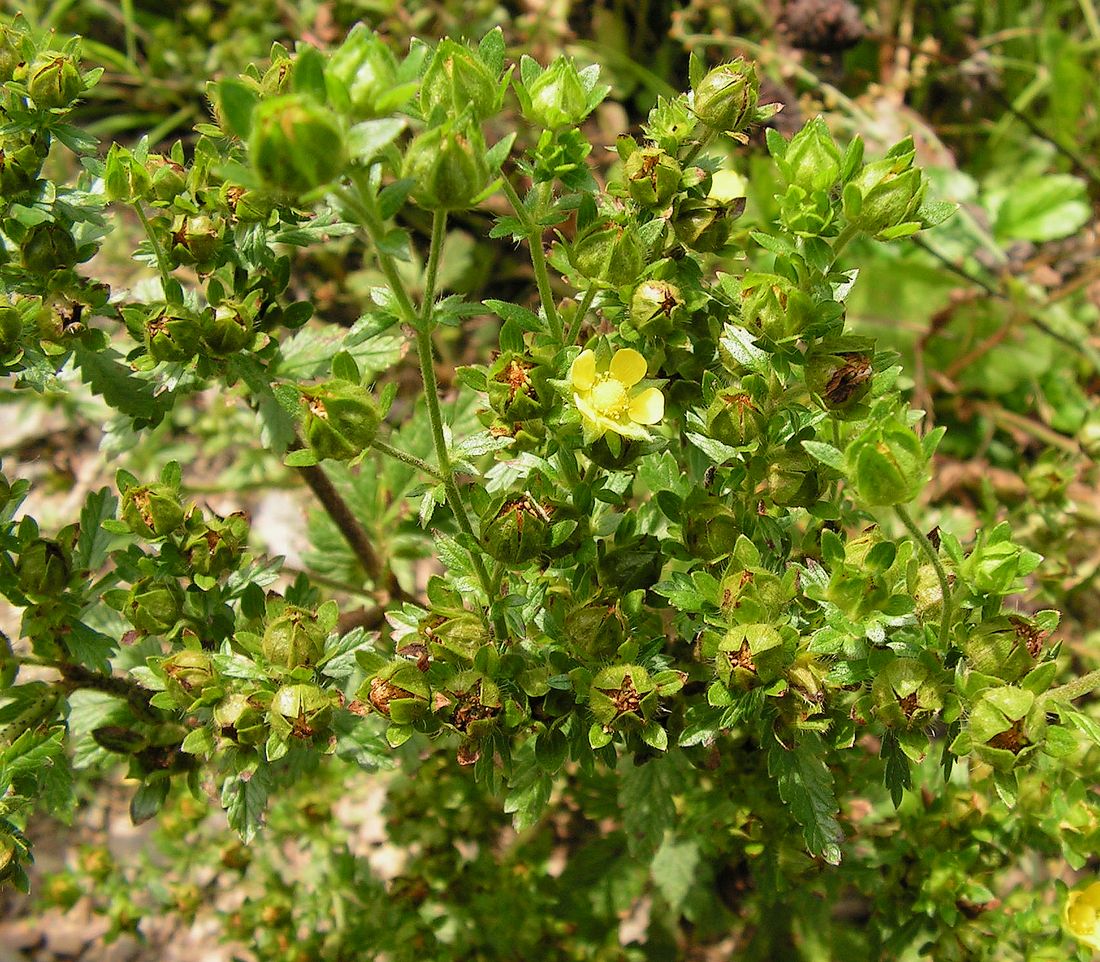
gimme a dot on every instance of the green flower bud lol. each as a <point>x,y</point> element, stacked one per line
<point>300,711</point>
<point>887,465</point>
<point>124,178</point>
<point>1005,727</point>
<point>996,563</point>
<point>517,387</point>
<point>44,569</point>
<point>21,159</point>
<point>229,330</point>
<point>623,696</point>
<point>399,691</point>
<point>448,169</point>
<point>53,80</point>
<point>749,655</point>
<point>726,98</point>
<point>792,480</point>
<point>1089,436</point>
<point>247,206</point>
<point>928,595</point>
<point>840,379</point>
<point>887,192</point>
<point>151,511</point>
<point>557,97</point>
<point>595,630</point>
<point>905,694</point>
<point>241,718</point>
<point>153,605</point>
<point>710,528</point>
<point>172,333</point>
<point>216,547</point>
<point>734,419</point>
<point>197,241</point>
<point>1048,479</point>
<point>341,419</point>
<point>294,639</point>
<point>48,247</point>
<point>810,215</point>
<point>367,70</point>
<point>474,703</point>
<point>167,178</point>
<point>11,52</point>
<point>296,144</point>
<point>276,79</point>
<point>608,254</point>
<point>773,306</point>
<point>456,80</point>
<point>1004,647</point>
<point>11,328</point>
<point>812,158</point>
<point>451,635</point>
<point>652,176</point>
<point>518,532</point>
<point>656,307</point>
<point>704,224</point>
<point>188,673</point>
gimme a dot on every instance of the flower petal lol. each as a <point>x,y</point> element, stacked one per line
<point>594,422</point>
<point>648,406</point>
<point>628,366</point>
<point>582,375</point>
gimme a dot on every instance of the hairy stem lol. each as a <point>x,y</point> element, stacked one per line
<point>1074,689</point>
<point>582,313</point>
<point>162,260</point>
<point>941,573</point>
<point>77,676</point>
<point>538,261</point>
<point>411,459</point>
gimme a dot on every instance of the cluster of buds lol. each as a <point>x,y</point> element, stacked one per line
<point>624,698</point>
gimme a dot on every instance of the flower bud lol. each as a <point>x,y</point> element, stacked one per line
<point>656,307</point>
<point>296,144</point>
<point>595,630</point>
<point>774,306</point>
<point>840,379</point>
<point>557,97</point>
<point>448,169</point>
<point>196,241</point>
<point>518,532</point>
<point>294,639</point>
<point>812,159</point>
<point>188,673</point>
<point>474,703</point>
<point>240,718</point>
<point>517,387</point>
<point>792,480</point>
<point>726,98</point>
<point>885,193</point>
<point>44,569</point>
<point>734,419</point>
<point>172,333</point>
<point>996,563</point>
<point>905,694</point>
<point>247,206</point>
<point>167,178</point>
<point>452,635</point>
<point>710,528</point>
<point>151,511</point>
<point>749,655</point>
<point>1005,727</point>
<point>623,696</point>
<point>300,711</point>
<point>229,330</point>
<point>608,254</point>
<point>399,691</point>
<point>704,224</point>
<point>456,80</point>
<point>341,419</point>
<point>153,605</point>
<point>887,465</point>
<point>365,67</point>
<point>124,178</point>
<point>21,159</point>
<point>11,329</point>
<point>277,78</point>
<point>1003,647</point>
<point>48,247</point>
<point>652,176</point>
<point>53,80</point>
<point>216,547</point>
<point>11,51</point>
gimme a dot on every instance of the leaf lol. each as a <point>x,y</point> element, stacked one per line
<point>244,798</point>
<point>1043,208</point>
<point>128,394</point>
<point>529,789</point>
<point>896,773</point>
<point>673,870</point>
<point>826,454</point>
<point>806,785</point>
<point>526,319</point>
<point>365,140</point>
<point>148,800</point>
<point>91,546</point>
<point>742,347</point>
<point>237,101</point>
<point>718,452</point>
<point>646,799</point>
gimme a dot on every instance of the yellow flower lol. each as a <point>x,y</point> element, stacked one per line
<point>1081,916</point>
<point>611,400</point>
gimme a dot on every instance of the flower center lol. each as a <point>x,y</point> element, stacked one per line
<point>609,397</point>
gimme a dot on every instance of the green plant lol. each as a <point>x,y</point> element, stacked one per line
<point>676,554</point>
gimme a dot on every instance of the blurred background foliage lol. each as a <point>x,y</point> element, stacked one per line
<point>995,316</point>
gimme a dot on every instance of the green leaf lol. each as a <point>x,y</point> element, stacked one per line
<point>365,140</point>
<point>646,799</point>
<point>236,101</point>
<point>529,789</point>
<point>806,785</point>
<point>148,800</point>
<point>826,454</point>
<point>896,774</point>
<point>673,870</point>
<point>128,394</point>
<point>742,347</point>
<point>1043,208</point>
<point>244,798</point>
<point>91,546</point>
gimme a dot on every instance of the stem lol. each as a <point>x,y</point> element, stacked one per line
<point>582,313</point>
<point>700,145</point>
<point>1074,689</point>
<point>933,556</point>
<point>842,240</point>
<point>538,261</point>
<point>162,261</point>
<point>411,459</point>
<point>77,676</point>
